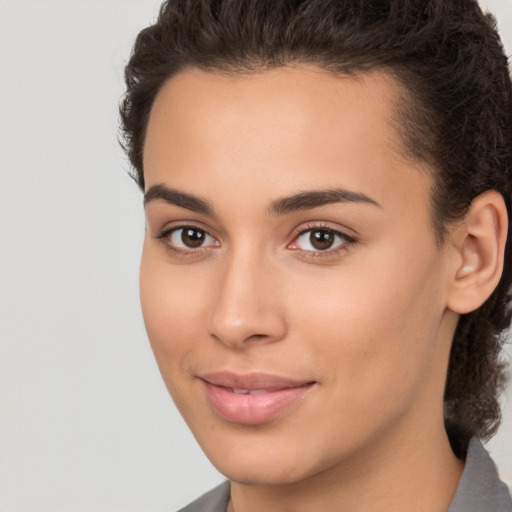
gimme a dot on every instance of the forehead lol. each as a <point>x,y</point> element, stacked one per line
<point>297,128</point>
<point>303,101</point>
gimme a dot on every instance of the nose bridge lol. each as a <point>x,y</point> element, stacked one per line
<point>246,309</point>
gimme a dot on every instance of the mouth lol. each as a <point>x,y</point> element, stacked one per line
<point>252,399</point>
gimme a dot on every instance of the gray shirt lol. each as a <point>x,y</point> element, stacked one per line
<point>479,489</point>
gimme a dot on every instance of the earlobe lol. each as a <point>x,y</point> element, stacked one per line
<point>480,243</point>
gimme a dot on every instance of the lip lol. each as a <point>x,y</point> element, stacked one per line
<point>253,398</point>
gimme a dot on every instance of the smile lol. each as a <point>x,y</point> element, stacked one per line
<point>252,399</point>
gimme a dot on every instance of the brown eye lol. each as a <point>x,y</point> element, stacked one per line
<point>190,237</point>
<point>322,239</point>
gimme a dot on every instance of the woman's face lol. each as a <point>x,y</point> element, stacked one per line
<point>291,285</point>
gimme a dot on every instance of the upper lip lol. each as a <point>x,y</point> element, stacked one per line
<point>251,381</point>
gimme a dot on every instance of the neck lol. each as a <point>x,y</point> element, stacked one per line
<point>409,472</point>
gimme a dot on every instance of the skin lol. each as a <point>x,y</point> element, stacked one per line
<point>370,321</point>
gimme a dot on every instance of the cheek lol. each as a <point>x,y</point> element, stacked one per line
<point>377,330</point>
<point>373,339</point>
<point>172,313</point>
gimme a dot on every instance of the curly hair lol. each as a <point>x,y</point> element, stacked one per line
<point>455,114</point>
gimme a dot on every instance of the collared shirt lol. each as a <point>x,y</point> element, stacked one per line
<point>479,489</point>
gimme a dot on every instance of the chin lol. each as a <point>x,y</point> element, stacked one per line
<point>262,460</point>
<point>261,473</point>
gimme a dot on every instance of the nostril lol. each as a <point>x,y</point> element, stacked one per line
<point>241,341</point>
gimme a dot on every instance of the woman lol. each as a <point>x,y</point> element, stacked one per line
<point>326,272</point>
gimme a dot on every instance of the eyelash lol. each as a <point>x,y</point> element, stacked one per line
<point>348,241</point>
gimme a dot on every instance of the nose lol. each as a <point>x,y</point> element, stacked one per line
<point>247,309</point>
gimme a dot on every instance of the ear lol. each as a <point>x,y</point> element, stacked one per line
<point>480,244</point>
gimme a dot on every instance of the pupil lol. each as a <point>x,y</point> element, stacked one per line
<point>321,240</point>
<point>192,237</point>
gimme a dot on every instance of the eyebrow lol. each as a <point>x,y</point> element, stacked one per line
<point>298,202</point>
<point>317,198</point>
<point>177,198</point>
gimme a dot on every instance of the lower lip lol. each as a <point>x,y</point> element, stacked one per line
<point>253,409</point>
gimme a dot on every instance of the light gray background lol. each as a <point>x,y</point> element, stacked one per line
<point>85,422</point>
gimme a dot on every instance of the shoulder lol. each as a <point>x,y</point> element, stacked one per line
<point>480,489</point>
<point>215,500</point>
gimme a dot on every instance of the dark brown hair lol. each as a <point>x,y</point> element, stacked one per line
<point>456,115</point>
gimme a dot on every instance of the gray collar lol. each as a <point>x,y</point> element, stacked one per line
<point>480,489</point>
<point>215,500</point>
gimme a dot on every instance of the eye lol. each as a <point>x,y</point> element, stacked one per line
<point>188,237</point>
<point>320,239</point>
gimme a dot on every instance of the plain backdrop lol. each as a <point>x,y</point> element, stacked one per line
<point>85,421</point>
